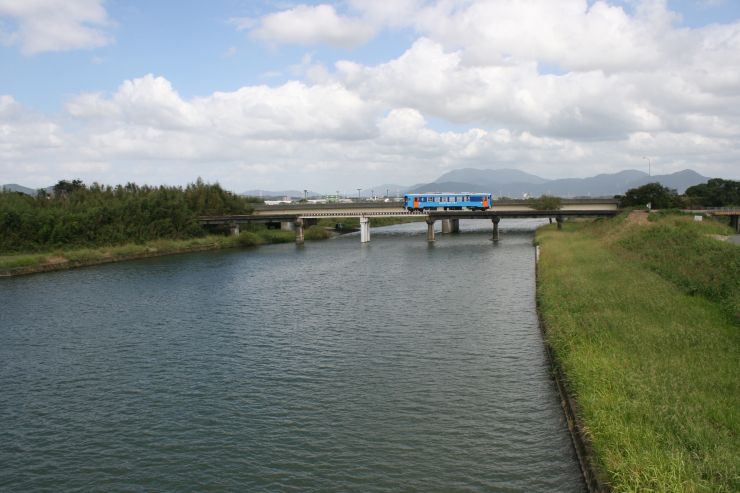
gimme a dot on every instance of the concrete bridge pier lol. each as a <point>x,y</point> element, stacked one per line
<point>364,229</point>
<point>735,223</point>
<point>234,229</point>
<point>559,220</point>
<point>299,231</point>
<point>450,226</point>
<point>495,220</point>
<point>430,229</point>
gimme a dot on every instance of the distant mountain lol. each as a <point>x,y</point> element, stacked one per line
<point>604,185</point>
<point>13,187</point>
<point>485,176</point>
<point>680,180</point>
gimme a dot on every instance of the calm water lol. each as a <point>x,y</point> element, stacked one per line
<point>390,366</point>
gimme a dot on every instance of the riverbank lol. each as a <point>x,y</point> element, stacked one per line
<point>73,257</point>
<point>641,316</point>
<point>62,259</point>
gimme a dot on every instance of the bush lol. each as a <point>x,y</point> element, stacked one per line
<point>80,216</point>
<point>546,203</point>
<point>655,194</point>
<point>276,236</point>
<point>316,233</point>
<point>248,239</point>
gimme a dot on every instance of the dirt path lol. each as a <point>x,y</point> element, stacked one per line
<point>638,217</point>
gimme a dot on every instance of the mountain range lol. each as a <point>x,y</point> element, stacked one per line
<point>14,187</point>
<point>502,183</point>
<point>515,183</point>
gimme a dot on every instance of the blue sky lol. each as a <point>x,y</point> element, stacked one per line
<point>334,95</point>
<point>192,44</point>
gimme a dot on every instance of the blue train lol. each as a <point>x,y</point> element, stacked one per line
<point>447,201</point>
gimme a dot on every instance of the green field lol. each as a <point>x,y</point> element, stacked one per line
<point>643,321</point>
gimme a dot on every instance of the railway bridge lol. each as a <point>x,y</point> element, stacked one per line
<point>297,216</point>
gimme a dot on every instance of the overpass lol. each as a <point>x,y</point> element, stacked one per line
<point>296,216</point>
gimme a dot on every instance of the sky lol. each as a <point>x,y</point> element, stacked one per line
<point>335,96</point>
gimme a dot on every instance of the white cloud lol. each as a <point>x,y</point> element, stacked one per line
<point>22,130</point>
<point>620,86</point>
<point>306,24</point>
<point>49,25</point>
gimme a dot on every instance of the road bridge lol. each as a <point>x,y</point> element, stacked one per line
<point>296,216</point>
<point>732,212</point>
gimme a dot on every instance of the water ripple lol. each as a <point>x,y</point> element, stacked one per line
<point>390,366</point>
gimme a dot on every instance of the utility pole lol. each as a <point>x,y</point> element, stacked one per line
<point>648,160</point>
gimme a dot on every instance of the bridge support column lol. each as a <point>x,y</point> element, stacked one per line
<point>299,231</point>
<point>234,229</point>
<point>450,226</point>
<point>735,223</point>
<point>559,220</point>
<point>430,229</point>
<point>495,220</point>
<point>364,229</point>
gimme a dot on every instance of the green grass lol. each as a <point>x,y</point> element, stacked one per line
<point>653,367</point>
<point>131,250</point>
<point>276,236</point>
<point>15,261</point>
<point>253,235</point>
<point>683,252</point>
<point>314,233</point>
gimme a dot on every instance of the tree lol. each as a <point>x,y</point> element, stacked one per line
<point>546,203</point>
<point>715,193</point>
<point>655,194</point>
<point>64,187</point>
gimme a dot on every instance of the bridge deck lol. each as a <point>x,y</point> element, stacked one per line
<point>501,209</point>
<point>434,215</point>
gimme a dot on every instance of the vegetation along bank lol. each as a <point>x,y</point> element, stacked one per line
<point>642,313</point>
<point>75,225</point>
<point>79,225</point>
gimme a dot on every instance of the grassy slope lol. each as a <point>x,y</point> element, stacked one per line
<point>121,252</point>
<point>653,369</point>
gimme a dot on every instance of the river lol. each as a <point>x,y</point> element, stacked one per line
<point>337,366</point>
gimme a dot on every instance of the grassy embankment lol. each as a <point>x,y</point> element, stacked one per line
<point>254,235</point>
<point>70,257</point>
<point>643,321</point>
